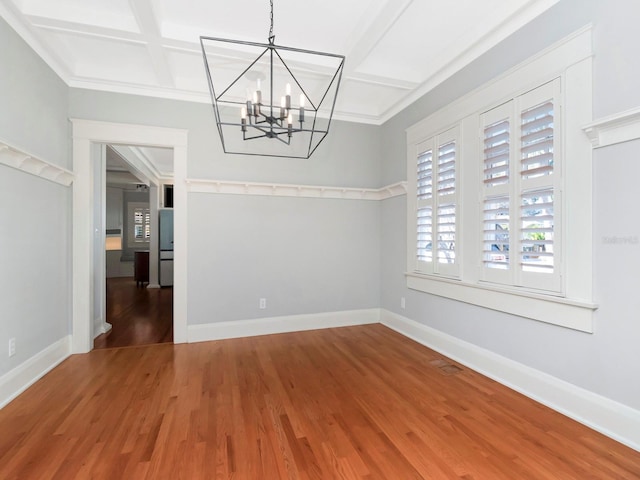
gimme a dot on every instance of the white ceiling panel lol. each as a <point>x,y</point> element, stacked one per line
<point>429,35</point>
<point>186,69</point>
<point>114,14</point>
<point>109,60</point>
<point>395,50</point>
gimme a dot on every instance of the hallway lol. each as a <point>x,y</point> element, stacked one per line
<point>140,316</point>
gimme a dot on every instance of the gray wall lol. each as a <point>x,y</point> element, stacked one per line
<point>302,255</point>
<point>607,361</point>
<point>34,213</point>
<point>349,156</point>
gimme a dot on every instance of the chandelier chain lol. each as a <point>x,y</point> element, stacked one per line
<point>271,37</point>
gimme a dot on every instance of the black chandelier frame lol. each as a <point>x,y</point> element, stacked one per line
<point>268,120</point>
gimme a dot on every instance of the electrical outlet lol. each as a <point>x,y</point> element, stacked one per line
<point>12,347</point>
<point>263,303</point>
<point>403,303</point>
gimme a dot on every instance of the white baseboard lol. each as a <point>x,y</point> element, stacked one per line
<point>290,323</point>
<point>606,416</point>
<point>16,381</point>
<point>104,328</point>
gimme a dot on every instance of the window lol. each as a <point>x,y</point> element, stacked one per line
<point>494,201</point>
<point>141,224</point>
<point>137,227</point>
<point>521,172</point>
<point>436,199</point>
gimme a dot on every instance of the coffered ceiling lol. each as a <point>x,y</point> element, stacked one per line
<point>396,50</point>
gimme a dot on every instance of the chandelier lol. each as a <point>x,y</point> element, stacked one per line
<point>282,101</point>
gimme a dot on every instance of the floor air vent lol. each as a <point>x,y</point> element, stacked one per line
<point>445,366</point>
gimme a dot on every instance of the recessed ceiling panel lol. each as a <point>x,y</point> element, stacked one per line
<point>431,34</point>
<point>110,60</point>
<point>115,14</point>
<point>187,69</point>
<point>314,25</point>
<point>249,21</point>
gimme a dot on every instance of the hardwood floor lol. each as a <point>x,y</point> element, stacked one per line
<point>140,316</point>
<point>348,403</point>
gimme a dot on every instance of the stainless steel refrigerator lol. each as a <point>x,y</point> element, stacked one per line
<point>166,246</point>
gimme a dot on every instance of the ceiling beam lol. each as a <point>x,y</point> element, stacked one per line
<point>148,23</point>
<point>370,35</point>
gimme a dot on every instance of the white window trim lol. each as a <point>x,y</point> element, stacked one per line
<point>571,60</point>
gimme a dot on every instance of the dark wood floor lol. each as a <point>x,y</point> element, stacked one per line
<point>349,403</point>
<point>139,315</point>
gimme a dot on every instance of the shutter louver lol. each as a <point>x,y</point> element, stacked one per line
<point>424,196</point>
<point>496,153</point>
<point>496,233</point>
<point>537,228</point>
<point>425,176</point>
<point>537,140</point>
<point>424,229</point>
<point>446,227</point>
<point>447,169</point>
<point>446,221</point>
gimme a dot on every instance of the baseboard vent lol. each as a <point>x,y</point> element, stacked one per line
<point>445,366</point>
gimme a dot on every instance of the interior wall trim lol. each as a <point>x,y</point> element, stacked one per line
<point>617,128</point>
<point>17,380</point>
<point>292,190</point>
<point>613,419</point>
<point>284,324</point>
<point>25,162</point>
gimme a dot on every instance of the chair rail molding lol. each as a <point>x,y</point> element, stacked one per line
<point>617,128</point>
<point>25,162</point>
<point>292,190</point>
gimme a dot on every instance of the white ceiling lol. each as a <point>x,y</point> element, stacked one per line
<point>396,50</point>
<point>137,164</point>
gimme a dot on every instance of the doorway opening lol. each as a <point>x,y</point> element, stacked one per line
<point>137,207</point>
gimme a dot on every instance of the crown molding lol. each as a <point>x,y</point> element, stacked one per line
<point>292,190</point>
<point>617,128</point>
<point>25,162</point>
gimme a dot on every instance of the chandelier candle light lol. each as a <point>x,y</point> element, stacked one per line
<point>254,112</point>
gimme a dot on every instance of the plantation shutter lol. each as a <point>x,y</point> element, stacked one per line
<point>538,206</point>
<point>436,204</point>
<point>424,206</point>
<point>537,228</point>
<point>497,151</point>
<point>520,209</point>
<point>496,233</point>
<point>446,222</point>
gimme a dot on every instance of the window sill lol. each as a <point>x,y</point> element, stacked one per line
<point>574,314</point>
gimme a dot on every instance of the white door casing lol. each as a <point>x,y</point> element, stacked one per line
<point>87,133</point>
